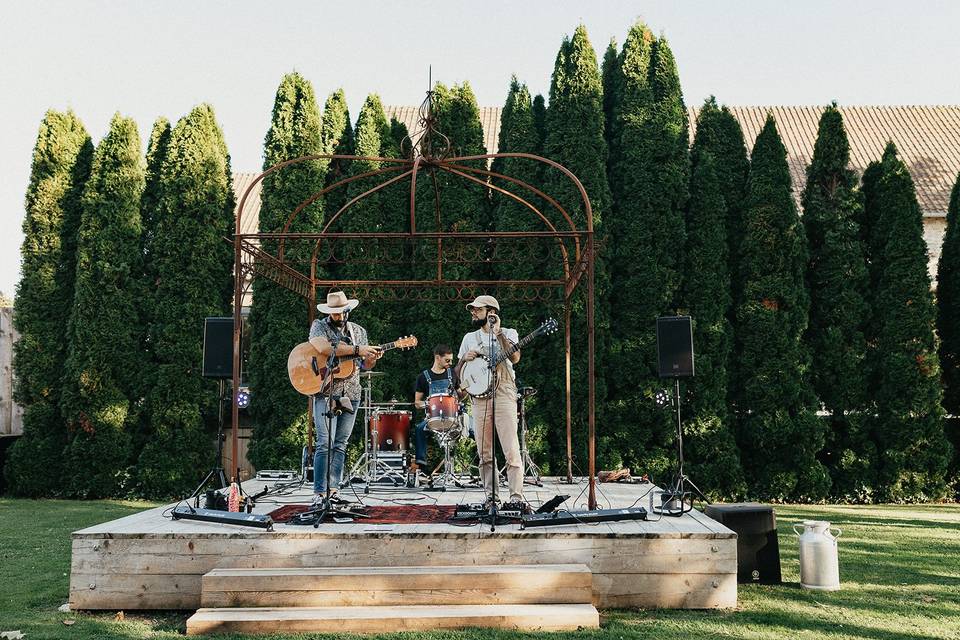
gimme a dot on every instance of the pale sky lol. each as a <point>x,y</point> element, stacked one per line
<point>161,58</point>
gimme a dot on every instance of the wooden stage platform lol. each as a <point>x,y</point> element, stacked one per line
<point>149,561</point>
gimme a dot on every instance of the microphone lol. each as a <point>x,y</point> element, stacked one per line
<point>491,319</point>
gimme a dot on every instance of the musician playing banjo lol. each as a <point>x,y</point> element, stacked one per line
<point>501,405</point>
<point>351,341</point>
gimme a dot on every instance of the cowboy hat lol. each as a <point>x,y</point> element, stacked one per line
<point>337,302</point>
<point>484,301</point>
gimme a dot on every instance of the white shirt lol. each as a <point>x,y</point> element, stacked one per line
<point>479,341</point>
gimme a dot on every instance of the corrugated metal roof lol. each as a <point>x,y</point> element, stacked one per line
<point>927,138</point>
<point>251,214</point>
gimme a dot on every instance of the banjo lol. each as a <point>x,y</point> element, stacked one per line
<point>476,376</point>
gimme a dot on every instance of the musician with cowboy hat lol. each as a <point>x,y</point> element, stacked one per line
<point>351,342</point>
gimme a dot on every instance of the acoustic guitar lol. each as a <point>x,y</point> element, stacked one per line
<point>476,375</point>
<point>308,368</point>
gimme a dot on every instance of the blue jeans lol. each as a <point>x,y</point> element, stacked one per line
<point>341,427</point>
<point>420,441</point>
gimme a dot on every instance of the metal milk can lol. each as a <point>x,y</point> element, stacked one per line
<point>819,564</point>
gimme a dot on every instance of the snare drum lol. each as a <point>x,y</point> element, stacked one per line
<point>442,412</point>
<point>392,429</point>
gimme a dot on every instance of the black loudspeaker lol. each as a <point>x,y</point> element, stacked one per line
<point>674,347</point>
<point>758,551</point>
<point>217,348</point>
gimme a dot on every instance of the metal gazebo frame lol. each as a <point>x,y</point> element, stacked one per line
<point>429,151</point>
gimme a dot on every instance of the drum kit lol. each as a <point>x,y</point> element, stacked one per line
<point>387,432</point>
<point>386,429</point>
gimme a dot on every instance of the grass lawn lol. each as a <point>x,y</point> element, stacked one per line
<point>900,568</point>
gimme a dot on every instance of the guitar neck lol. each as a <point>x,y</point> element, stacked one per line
<point>506,353</point>
<point>387,346</point>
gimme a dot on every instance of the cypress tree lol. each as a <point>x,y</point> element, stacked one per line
<point>719,133</point>
<point>540,120</point>
<point>574,137</point>
<point>157,147</point>
<point>909,430</point>
<point>610,73</point>
<point>518,134</point>
<point>336,134</point>
<point>278,317</point>
<point>193,267</point>
<point>649,176</point>
<point>837,280</point>
<point>379,211</point>
<point>60,168</point>
<point>780,434</point>
<point>948,318</point>
<point>104,333</point>
<point>463,204</point>
<point>711,448</point>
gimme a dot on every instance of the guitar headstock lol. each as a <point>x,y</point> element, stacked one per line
<point>407,342</point>
<point>549,326</point>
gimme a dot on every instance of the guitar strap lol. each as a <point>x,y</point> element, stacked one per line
<point>478,335</point>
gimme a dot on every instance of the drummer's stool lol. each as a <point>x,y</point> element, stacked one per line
<point>758,551</point>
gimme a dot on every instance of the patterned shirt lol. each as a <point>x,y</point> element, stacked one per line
<point>355,335</point>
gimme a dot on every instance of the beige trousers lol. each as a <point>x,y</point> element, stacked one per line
<point>504,403</point>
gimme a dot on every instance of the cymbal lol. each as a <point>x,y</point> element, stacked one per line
<point>370,374</point>
<point>526,392</point>
<point>391,403</point>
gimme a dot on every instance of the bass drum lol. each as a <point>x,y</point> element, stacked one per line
<point>392,429</point>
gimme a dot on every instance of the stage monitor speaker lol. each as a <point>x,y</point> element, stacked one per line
<point>674,347</point>
<point>217,348</point>
<point>758,551</point>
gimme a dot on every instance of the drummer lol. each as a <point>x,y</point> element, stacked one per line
<point>440,378</point>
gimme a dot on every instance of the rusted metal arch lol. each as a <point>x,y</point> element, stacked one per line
<point>585,264</point>
<point>320,156</point>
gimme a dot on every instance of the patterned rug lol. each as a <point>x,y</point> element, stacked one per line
<point>381,514</point>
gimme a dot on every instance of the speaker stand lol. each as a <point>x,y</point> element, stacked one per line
<point>216,473</point>
<point>682,482</point>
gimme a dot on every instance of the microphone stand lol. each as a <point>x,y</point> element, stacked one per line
<point>494,383</point>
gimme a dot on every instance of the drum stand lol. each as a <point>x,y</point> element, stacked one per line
<point>370,468</point>
<point>364,462</point>
<point>449,474</point>
<point>376,467</point>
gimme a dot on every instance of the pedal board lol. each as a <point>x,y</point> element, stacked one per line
<point>582,517</point>
<point>476,510</point>
<point>277,474</point>
<point>258,520</point>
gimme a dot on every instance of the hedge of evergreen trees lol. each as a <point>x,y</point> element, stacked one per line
<point>825,365</point>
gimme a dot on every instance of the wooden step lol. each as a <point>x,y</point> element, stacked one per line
<point>525,617</point>
<point>383,586</point>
